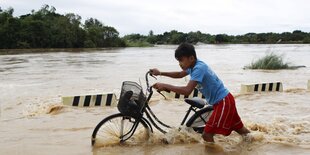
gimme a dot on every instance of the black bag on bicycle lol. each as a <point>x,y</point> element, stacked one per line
<point>131,99</point>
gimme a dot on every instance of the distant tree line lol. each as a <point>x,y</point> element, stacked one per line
<point>47,29</point>
<point>175,37</point>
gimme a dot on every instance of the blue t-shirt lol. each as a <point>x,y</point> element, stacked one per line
<point>207,82</point>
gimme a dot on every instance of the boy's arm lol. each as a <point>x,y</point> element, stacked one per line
<point>174,74</point>
<point>184,90</point>
<point>180,74</point>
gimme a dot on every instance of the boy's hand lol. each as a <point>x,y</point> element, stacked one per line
<point>155,71</point>
<point>160,86</point>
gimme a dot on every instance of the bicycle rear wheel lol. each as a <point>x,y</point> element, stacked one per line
<point>199,119</point>
<point>119,128</point>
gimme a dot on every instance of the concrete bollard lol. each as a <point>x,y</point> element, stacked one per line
<point>262,87</point>
<point>174,95</point>
<point>108,99</point>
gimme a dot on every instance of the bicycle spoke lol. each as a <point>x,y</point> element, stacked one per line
<point>122,128</point>
<point>113,129</point>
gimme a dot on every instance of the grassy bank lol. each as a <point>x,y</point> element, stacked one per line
<point>270,61</point>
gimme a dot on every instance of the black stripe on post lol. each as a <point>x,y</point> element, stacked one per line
<point>76,100</point>
<point>186,96</point>
<point>270,86</point>
<point>87,101</point>
<point>195,92</point>
<point>98,100</point>
<point>278,86</point>
<point>264,87</point>
<point>109,100</point>
<point>256,87</point>
<point>177,95</point>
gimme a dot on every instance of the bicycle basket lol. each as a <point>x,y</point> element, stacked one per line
<point>132,99</point>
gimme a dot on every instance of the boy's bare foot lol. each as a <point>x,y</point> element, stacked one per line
<point>248,137</point>
<point>243,131</point>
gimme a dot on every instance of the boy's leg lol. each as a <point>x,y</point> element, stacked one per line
<point>243,131</point>
<point>208,137</point>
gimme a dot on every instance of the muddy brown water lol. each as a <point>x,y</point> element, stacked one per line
<point>33,120</point>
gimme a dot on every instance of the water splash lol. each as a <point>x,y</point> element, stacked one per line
<point>34,109</point>
<point>282,131</point>
<point>182,135</point>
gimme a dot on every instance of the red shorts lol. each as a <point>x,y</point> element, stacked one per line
<point>224,118</point>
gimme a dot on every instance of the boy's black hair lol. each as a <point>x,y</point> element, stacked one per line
<point>185,49</point>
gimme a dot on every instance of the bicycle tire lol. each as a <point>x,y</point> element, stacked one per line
<point>199,119</point>
<point>108,131</point>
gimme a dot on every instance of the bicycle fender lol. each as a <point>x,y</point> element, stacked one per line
<point>197,114</point>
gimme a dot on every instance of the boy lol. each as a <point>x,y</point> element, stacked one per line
<point>224,118</point>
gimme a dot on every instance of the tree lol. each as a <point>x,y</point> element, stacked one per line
<point>175,37</point>
<point>77,33</point>
<point>100,35</point>
<point>306,40</point>
<point>193,37</point>
<point>151,33</point>
<point>221,38</point>
<point>298,35</point>
<point>9,27</point>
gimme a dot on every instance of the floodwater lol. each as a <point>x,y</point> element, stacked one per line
<point>34,121</point>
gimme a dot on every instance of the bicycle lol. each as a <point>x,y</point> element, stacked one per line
<point>130,122</point>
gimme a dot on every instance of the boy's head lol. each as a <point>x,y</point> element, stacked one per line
<point>186,55</point>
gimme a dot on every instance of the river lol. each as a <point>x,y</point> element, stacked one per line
<point>34,121</point>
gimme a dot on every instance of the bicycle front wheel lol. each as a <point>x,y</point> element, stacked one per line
<point>199,119</point>
<point>120,128</point>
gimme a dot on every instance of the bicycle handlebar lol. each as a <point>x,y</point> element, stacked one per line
<point>150,88</point>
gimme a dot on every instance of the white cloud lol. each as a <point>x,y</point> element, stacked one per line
<point>209,16</point>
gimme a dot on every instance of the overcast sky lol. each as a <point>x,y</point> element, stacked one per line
<point>209,16</point>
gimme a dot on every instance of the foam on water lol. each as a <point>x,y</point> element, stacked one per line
<point>33,109</point>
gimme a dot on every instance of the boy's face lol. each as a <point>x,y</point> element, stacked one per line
<point>186,62</point>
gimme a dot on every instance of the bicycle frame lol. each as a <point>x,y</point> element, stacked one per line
<point>151,116</point>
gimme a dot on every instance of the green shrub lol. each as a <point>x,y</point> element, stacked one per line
<point>270,61</point>
<point>22,44</point>
<point>89,44</point>
<point>138,44</point>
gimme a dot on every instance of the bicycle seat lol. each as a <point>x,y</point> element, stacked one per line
<point>196,102</point>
